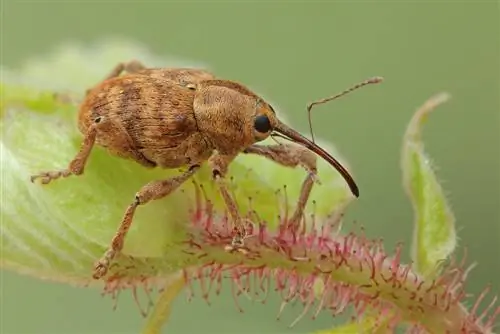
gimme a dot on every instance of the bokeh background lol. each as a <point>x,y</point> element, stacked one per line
<point>292,53</point>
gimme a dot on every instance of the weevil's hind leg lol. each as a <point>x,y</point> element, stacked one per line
<point>132,66</point>
<point>291,156</point>
<point>152,191</point>
<point>77,165</point>
<point>128,67</point>
<point>219,164</point>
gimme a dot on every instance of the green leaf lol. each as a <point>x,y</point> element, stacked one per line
<point>434,237</point>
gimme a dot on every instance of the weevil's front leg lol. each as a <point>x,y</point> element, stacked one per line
<point>219,164</point>
<point>152,191</point>
<point>77,165</point>
<point>290,155</point>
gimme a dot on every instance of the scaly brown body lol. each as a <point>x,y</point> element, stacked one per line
<point>177,117</point>
<point>146,119</point>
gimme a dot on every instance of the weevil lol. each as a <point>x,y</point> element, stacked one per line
<point>182,118</point>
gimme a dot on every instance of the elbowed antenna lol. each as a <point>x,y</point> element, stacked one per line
<point>373,80</point>
<point>294,136</point>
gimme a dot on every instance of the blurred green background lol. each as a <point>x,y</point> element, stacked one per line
<point>292,53</point>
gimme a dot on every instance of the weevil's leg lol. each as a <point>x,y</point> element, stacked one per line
<point>219,164</point>
<point>128,67</point>
<point>290,155</point>
<point>77,165</point>
<point>152,191</point>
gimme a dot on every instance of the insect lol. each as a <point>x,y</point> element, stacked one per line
<point>182,118</point>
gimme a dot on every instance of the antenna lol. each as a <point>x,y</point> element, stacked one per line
<point>373,80</point>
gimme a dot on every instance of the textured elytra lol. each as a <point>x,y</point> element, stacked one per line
<point>146,119</point>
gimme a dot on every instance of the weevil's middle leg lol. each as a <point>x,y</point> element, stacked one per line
<point>219,164</point>
<point>152,191</point>
<point>77,165</point>
<point>289,155</point>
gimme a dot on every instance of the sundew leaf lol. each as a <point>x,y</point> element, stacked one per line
<point>58,230</point>
<point>434,237</point>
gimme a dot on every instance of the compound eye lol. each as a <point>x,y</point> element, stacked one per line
<point>262,124</point>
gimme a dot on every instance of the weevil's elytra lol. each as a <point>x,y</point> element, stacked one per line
<point>180,117</point>
<point>149,120</point>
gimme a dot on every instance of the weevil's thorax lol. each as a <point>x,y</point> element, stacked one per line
<point>226,112</point>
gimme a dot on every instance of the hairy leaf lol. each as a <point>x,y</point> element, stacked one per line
<point>434,237</point>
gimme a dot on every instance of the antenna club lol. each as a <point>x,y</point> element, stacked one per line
<point>376,80</point>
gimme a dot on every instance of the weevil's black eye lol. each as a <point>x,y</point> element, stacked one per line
<point>262,124</point>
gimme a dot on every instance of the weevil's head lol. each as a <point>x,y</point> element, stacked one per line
<point>266,123</point>
<point>232,117</point>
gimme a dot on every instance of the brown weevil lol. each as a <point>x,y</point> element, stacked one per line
<point>182,117</point>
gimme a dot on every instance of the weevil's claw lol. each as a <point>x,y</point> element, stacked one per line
<point>47,177</point>
<point>101,267</point>
<point>100,270</point>
<point>238,242</point>
<point>44,179</point>
<point>232,249</point>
